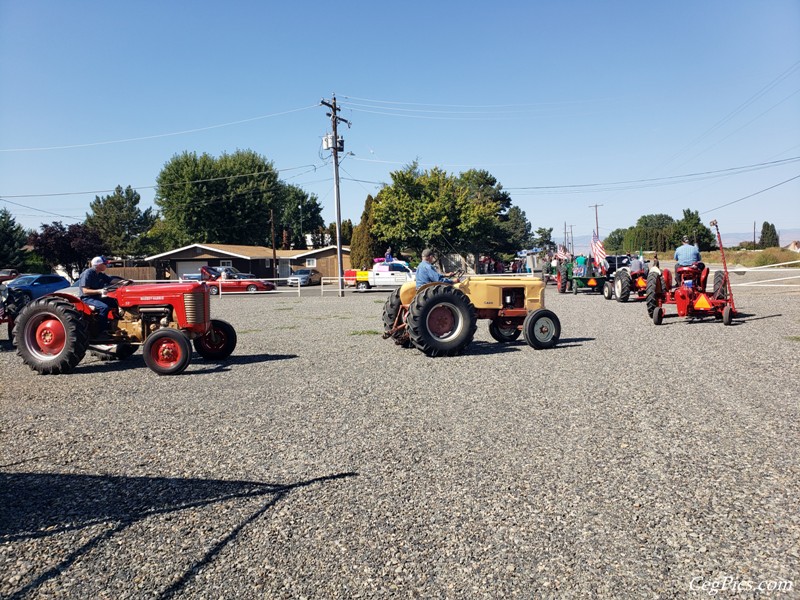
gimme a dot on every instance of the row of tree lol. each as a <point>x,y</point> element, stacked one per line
<point>660,233</point>
<point>469,213</point>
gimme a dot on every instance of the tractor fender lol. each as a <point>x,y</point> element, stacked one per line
<point>79,304</point>
<point>408,290</point>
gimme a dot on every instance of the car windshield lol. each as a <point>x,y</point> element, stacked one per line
<point>24,280</point>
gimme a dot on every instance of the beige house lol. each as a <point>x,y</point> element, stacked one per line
<point>258,260</point>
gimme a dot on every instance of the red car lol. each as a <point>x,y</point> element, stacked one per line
<point>213,278</point>
<point>8,274</point>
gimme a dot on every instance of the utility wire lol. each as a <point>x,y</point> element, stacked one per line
<point>772,187</point>
<point>469,105</point>
<point>160,135</point>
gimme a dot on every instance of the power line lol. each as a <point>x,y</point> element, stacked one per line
<point>751,195</point>
<point>160,135</point>
<point>470,105</point>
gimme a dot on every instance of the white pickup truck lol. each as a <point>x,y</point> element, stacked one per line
<point>393,274</point>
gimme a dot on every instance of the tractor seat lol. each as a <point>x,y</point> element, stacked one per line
<point>690,270</point>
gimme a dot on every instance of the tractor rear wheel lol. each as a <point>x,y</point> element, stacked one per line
<point>167,352</point>
<point>504,330</point>
<point>51,336</point>
<point>608,290</point>
<point>561,279</point>
<point>218,343</point>
<point>441,321</point>
<point>720,289</point>
<point>654,292</point>
<point>622,285</point>
<point>542,329</point>
<point>658,315</point>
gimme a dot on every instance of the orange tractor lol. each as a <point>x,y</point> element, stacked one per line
<point>690,296</point>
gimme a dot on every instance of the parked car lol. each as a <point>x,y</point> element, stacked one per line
<point>8,274</point>
<point>304,277</point>
<point>213,278</point>
<point>35,286</point>
<point>234,273</point>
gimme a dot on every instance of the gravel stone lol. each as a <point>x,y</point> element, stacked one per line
<point>321,461</point>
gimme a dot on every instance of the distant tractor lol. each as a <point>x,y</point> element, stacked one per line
<point>440,319</point>
<point>690,296</point>
<point>571,276</point>
<point>626,284</point>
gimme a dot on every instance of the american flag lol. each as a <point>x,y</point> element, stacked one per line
<point>598,250</point>
<point>562,253</point>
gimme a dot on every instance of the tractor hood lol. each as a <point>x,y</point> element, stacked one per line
<point>157,293</point>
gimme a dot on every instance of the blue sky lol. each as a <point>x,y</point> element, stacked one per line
<point>540,94</point>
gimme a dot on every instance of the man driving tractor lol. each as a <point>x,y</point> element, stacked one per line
<point>426,273</point>
<point>92,284</point>
<point>687,255</point>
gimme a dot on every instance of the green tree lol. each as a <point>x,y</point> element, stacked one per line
<point>614,242</point>
<point>659,221</point>
<point>769,236</point>
<point>691,225</point>
<point>515,233</point>
<point>365,245</point>
<point>12,241</point>
<point>69,247</point>
<point>120,223</point>
<point>544,239</point>
<point>223,200</point>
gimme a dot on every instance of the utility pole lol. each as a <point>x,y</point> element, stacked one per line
<point>596,221</point>
<point>571,244</point>
<point>274,253</point>
<point>335,146</point>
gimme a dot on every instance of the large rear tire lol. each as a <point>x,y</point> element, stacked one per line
<point>654,292</point>
<point>504,330</point>
<point>441,321</point>
<point>51,336</point>
<point>622,285</point>
<point>542,329</point>
<point>218,343</point>
<point>720,289</point>
<point>167,352</point>
<point>561,279</point>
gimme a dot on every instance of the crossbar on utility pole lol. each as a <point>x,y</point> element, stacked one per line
<point>596,221</point>
<point>335,147</point>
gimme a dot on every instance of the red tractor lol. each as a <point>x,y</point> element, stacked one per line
<point>690,296</point>
<point>53,333</point>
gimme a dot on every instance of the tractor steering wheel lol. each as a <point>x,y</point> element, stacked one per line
<point>118,284</point>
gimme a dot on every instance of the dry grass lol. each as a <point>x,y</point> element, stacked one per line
<point>753,258</point>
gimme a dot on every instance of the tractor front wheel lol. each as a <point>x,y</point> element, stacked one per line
<point>51,336</point>
<point>218,343</point>
<point>504,330</point>
<point>622,286</point>
<point>167,352</point>
<point>441,321</point>
<point>658,315</point>
<point>654,292</point>
<point>542,329</point>
<point>608,290</point>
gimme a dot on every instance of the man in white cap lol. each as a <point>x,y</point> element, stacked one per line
<point>92,284</point>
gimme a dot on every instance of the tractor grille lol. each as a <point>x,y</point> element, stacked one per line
<point>198,307</point>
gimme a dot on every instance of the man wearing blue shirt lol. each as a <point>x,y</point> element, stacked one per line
<point>425,271</point>
<point>92,283</point>
<point>687,255</point>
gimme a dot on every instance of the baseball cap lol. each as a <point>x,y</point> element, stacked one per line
<point>686,239</point>
<point>99,260</point>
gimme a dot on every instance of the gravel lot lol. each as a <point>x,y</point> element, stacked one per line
<point>322,461</point>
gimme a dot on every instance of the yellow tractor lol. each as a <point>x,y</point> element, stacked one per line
<point>440,319</point>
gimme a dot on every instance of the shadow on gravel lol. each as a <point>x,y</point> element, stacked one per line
<point>486,348</point>
<point>209,366</point>
<point>572,342</point>
<point>39,505</point>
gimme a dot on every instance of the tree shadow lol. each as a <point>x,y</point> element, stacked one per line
<point>39,505</point>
